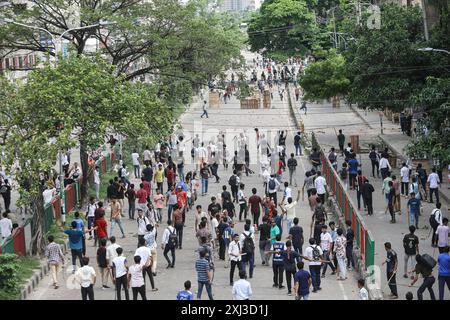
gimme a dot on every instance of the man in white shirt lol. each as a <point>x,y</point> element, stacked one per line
<point>202,154</point>
<point>142,223</point>
<point>90,214</point>
<point>147,156</point>
<point>326,242</point>
<point>167,246</point>
<point>314,254</point>
<point>385,167</point>
<point>433,181</point>
<point>320,184</point>
<point>287,192</point>
<point>136,278</point>
<point>234,251</point>
<point>5,226</point>
<point>111,250</point>
<point>86,277</point>
<point>146,258</point>
<point>136,164</point>
<point>289,210</point>
<point>404,173</point>
<point>242,289</point>
<point>198,216</point>
<point>120,274</point>
<point>97,182</point>
<point>362,294</point>
<point>48,194</point>
<point>150,241</point>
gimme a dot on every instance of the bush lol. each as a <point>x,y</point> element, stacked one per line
<point>8,271</point>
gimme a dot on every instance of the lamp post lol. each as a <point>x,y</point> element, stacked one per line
<point>433,50</point>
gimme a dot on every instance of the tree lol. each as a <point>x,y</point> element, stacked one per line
<point>325,79</point>
<point>282,29</point>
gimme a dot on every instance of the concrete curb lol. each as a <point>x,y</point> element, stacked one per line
<point>356,111</point>
<point>38,275</point>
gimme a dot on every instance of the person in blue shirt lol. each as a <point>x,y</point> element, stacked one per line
<point>80,227</point>
<point>303,281</point>
<point>185,294</point>
<point>278,261</point>
<point>75,243</point>
<point>414,210</point>
<point>444,271</point>
<point>353,171</point>
<point>278,220</point>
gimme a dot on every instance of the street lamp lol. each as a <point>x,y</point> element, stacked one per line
<point>432,50</point>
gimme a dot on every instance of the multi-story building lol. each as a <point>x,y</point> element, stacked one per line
<point>239,5</point>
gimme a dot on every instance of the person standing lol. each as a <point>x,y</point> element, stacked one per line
<point>442,235</point>
<point>289,210</point>
<point>131,196</point>
<point>186,294</point>
<point>390,199</point>
<point>290,256</point>
<point>428,278</point>
<point>433,182</point>
<point>136,164</point>
<point>255,202</point>
<point>326,242</point>
<point>272,188</point>
<point>341,141</point>
<point>411,246</point>
<point>302,282</point>
<point>120,274</point>
<point>116,214</point>
<point>247,244</point>
<point>55,259</point>
<point>397,196</point>
<point>243,208</point>
<point>97,182</point>
<point>5,226</point>
<point>391,269</point>
<point>146,260</point>
<point>339,248</point>
<point>332,156</point>
<point>352,171</point>
<point>385,167</point>
<point>363,294</point>
<point>435,222</point>
<point>350,236</point>
<point>296,236</point>
<point>292,166</point>
<point>75,243</point>
<point>264,240</point>
<point>297,144</point>
<point>169,243</point>
<point>242,289</point>
<point>360,180</point>
<point>414,210</point>
<point>366,191</point>
<point>404,174</point>
<point>136,279</point>
<point>179,225</point>
<point>444,271</point>
<point>86,277</point>
<point>314,254</point>
<point>204,275</point>
<point>205,174</point>
<point>277,261</point>
<point>235,254</point>
<point>102,263</point>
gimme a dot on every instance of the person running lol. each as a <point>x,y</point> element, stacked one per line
<point>391,263</point>
<point>444,271</point>
<point>136,279</point>
<point>169,243</point>
<point>86,277</point>
<point>55,259</point>
<point>186,294</point>
<point>119,274</point>
<point>411,246</point>
<point>423,269</point>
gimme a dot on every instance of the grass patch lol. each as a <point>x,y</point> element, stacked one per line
<point>14,272</point>
<point>103,186</point>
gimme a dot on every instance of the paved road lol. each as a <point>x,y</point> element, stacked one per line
<point>169,281</point>
<point>325,121</point>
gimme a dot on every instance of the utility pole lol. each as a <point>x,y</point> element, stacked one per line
<point>425,23</point>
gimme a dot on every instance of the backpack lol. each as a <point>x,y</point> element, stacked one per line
<point>433,223</point>
<point>332,157</point>
<point>249,246</point>
<point>428,261</point>
<point>272,184</point>
<point>173,240</point>
<point>373,155</point>
<point>233,181</point>
<point>315,253</point>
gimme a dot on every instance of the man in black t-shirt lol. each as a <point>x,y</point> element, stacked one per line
<point>296,235</point>
<point>411,246</point>
<point>223,225</point>
<point>225,194</point>
<point>147,173</point>
<point>264,240</point>
<point>229,206</point>
<point>391,269</point>
<point>297,145</point>
<point>214,208</point>
<point>350,236</point>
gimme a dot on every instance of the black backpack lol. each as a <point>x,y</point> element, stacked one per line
<point>373,155</point>
<point>249,246</point>
<point>272,184</point>
<point>433,223</point>
<point>428,261</point>
<point>315,253</point>
<point>173,240</point>
<point>233,181</point>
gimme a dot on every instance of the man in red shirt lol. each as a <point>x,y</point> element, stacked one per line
<point>142,196</point>
<point>255,202</point>
<point>147,187</point>
<point>101,226</point>
<point>97,213</point>
<point>182,201</point>
<point>170,175</point>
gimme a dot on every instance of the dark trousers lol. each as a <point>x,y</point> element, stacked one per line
<point>436,192</point>
<point>233,267</point>
<point>352,178</point>
<point>90,224</point>
<point>221,248</point>
<point>321,197</point>
<point>298,248</point>
<point>405,190</point>
<point>392,283</point>
<point>250,260</point>
<point>179,227</point>
<point>83,250</point>
<point>391,211</point>
<point>278,270</point>
<point>76,254</point>
<point>122,282</point>
<point>359,195</point>
<point>369,205</point>
<point>349,255</point>
<point>384,172</point>
<point>256,218</point>
<point>315,276</point>
<point>87,293</point>
<point>131,209</point>
<point>242,209</point>
<point>139,290</point>
<point>434,238</point>
<point>290,272</point>
<point>207,285</point>
<point>341,148</point>
<point>160,186</point>
<point>375,165</point>
<point>442,281</point>
<point>172,251</point>
<point>148,271</point>
<point>426,284</point>
<point>234,192</point>
<point>326,256</point>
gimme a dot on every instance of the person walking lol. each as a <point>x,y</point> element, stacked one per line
<point>339,249</point>
<point>385,166</point>
<point>289,210</point>
<point>277,261</point>
<point>150,241</point>
<point>178,224</point>
<point>297,144</point>
<point>350,236</point>
<point>435,222</point>
<point>433,183</point>
<point>247,243</point>
<point>391,263</point>
<point>390,199</point>
<point>442,235</point>
<point>130,194</point>
<point>374,157</point>
<point>204,275</point>
<point>136,164</point>
<point>75,243</point>
<point>86,277</point>
<point>326,242</point>
<point>444,271</point>
<point>136,277</point>
<point>404,174</point>
<point>205,112</point>
<point>255,202</point>
<point>242,200</point>
<point>413,210</point>
<point>302,282</point>
<point>205,174</point>
<point>55,259</point>
<point>235,253</point>
<point>411,246</point>
<point>242,290</point>
<point>146,260</point>
<point>360,180</point>
<point>292,167</point>
<point>366,190</point>
<point>116,214</point>
<point>168,243</point>
<point>341,141</point>
<point>272,188</point>
<point>423,269</point>
<point>102,263</point>
<point>314,254</point>
<point>120,274</point>
<point>290,256</point>
<point>97,182</point>
<point>397,202</point>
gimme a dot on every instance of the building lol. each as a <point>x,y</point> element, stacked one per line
<point>239,5</point>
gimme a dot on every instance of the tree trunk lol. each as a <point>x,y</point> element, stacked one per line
<point>38,235</point>
<point>85,168</point>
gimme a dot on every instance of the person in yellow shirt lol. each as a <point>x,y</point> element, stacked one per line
<point>159,177</point>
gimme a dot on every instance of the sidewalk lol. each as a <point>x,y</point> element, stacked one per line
<point>393,138</point>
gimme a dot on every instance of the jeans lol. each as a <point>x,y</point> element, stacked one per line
<point>414,219</point>
<point>278,270</point>
<point>248,259</point>
<point>87,293</point>
<point>139,290</point>
<point>409,260</point>
<point>137,172</point>
<point>181,173</point>
<point>436,192</point>
<point>405,188</point>
<point>234,192</point>
<point>393,283</point>
<point>131,209</point>
<point>442,281</point>
<point>179,229</point>
<point>349,256</point>
<point>263,246</point>
<point>290,272</point>
<point>208,290</point>
<point>298,149</point>
<point>384,172</point>
<point>326,256</point>
<point>169,211</point>
<point>204,186</point>
<point>375,165</point>
<point>122,282</point>
<point>292,176</point>
<point>159,185</point>
<point>315,276</point>
<point>342,268</point>
<point>304,297</point>
<point>76,253</point>
<point>172,252</point>
<point>113,224</point>
<point>434,238</point>
<point>97,190</point>
<point>359,195</point>
<point>352,178</point>
<point>90,224</point>
<point>426,284</point>
<point>242,209</point>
